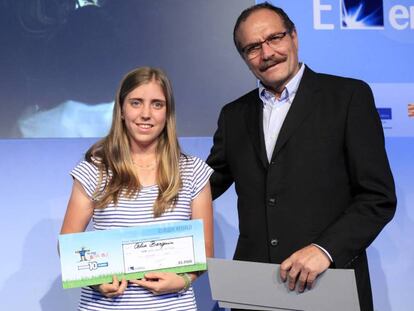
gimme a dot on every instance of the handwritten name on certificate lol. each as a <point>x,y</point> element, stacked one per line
<point>93,257</point>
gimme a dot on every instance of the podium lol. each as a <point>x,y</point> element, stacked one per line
<point>257,286</point>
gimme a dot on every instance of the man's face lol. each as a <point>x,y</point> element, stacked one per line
<point>274,67</point>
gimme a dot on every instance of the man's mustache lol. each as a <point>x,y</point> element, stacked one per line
<point>266,64</point>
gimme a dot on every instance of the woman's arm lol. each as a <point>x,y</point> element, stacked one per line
<point>202,208</point>
<point>79,211</point>
<point>78,214</point>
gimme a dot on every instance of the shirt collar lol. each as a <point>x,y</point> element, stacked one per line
<point>289,90</point>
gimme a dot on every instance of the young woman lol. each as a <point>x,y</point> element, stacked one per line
<point>138,175</point>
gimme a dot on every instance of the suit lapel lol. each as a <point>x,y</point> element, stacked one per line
<point>301,107</point>
<point>254,123</point>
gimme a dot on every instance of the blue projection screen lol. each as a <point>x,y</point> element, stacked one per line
<point>61,63</point>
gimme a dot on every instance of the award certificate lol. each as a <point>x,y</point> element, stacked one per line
<point>93,257</point>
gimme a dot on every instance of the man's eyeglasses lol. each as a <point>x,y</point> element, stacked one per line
<point>253,50</point>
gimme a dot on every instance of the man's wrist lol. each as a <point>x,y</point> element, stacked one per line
<point>325,251</point>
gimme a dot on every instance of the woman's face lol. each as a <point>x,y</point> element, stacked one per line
<point>144,111</point>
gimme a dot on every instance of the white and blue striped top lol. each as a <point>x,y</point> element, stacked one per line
<point>135,211</point>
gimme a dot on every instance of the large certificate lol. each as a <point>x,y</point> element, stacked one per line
<point>93,257</point>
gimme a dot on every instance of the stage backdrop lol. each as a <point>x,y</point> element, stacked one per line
<point>60,64</point>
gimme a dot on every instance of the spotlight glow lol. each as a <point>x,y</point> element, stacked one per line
<point>354,17</point>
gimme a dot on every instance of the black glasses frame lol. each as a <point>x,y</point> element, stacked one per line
<point>253,50</point>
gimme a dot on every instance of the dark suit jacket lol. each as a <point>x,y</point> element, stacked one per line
<point>328,181</point>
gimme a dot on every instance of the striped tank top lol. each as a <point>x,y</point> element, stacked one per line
<point>136,211</point>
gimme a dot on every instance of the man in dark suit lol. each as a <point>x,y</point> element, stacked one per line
<point>306,153</point>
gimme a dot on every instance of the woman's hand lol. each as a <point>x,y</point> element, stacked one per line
<point>161,282</point>
<point>111,290</point>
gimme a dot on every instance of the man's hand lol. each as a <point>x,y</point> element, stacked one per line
<point>411,110</point>
<point>303,267</point>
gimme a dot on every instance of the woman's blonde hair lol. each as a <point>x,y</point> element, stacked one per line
<point>112,154</point>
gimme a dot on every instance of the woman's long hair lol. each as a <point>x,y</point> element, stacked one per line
<point>112,154</point>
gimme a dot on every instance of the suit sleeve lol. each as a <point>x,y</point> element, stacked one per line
<point>222,178</point>
<point>373,200</point>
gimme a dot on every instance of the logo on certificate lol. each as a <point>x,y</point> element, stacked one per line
<point>91,260</point>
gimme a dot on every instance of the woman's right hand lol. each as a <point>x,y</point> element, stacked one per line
<point>111,290</point>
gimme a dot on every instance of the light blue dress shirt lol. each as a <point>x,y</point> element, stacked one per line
<point>276,109</point>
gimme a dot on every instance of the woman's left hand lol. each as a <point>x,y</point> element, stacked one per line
<point>161,282</point>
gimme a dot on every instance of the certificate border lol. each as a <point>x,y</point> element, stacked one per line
<point>154,231</point>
